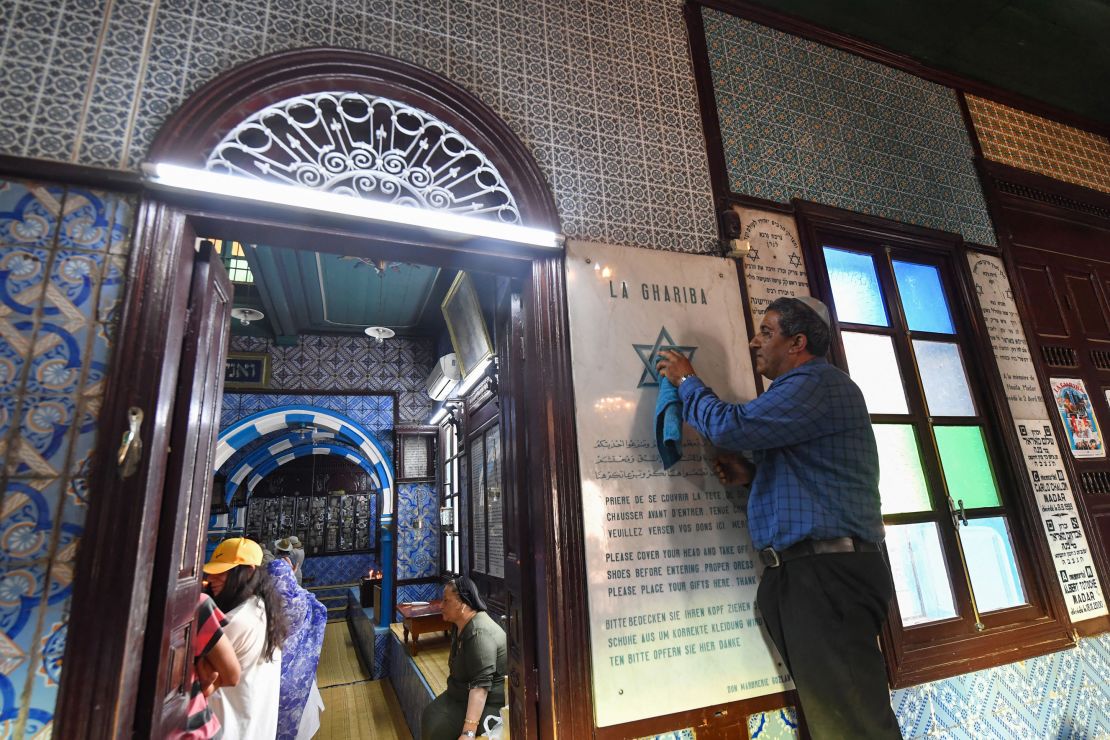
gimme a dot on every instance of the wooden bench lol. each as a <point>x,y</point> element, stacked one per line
<point>422,618</point>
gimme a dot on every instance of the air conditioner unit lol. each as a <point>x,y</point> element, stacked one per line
<point>443,377</point>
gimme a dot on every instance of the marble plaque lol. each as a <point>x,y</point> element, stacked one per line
<point>1071,552</point>
<point>1011,351</point>
<point>671,574</point>
<point>773,266</point>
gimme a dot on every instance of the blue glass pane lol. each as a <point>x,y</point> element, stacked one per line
<point>855,287</point>
<point>989,551</point>
<point>923,298</point>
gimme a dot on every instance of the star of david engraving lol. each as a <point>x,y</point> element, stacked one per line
<point>649,352</point>
<point>753,254</point>
<point>795,260</point>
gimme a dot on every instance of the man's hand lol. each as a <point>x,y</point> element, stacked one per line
<point>674,366</point>
<point>733,470</point>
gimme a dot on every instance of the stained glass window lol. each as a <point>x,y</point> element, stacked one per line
<point>967,471</point>
<point>901,479</point>
<point>921,580</point>
<point>872,364</point>
<point>923,299</point>
<point>855,287</point>
<point>989,549</point>
<point>944,379</point>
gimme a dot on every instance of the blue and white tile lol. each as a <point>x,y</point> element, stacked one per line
<point>29,213</point>
<point>23,275</point>
<point>778,724</point>
<point>41,447</point>
<point>95,221</point>
<point>27,521</point>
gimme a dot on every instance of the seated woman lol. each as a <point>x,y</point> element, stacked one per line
<point>257,627</point>
<point>477,665</point>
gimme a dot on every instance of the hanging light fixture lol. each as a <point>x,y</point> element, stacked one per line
<point>381,333</point>
<point>247,315</point>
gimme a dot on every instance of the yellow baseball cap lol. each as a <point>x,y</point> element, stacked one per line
<point>232,552</point>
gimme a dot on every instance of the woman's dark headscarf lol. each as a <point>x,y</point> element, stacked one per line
<point>467,591</point>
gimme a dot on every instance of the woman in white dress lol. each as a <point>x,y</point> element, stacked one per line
<point>257,627</point>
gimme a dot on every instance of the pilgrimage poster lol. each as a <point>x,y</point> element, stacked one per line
<point>1078,417</point>
<point>671,573</point>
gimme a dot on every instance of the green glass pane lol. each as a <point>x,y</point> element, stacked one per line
<point>967,471</point>
<point>872,364</point>
<point>921,580</point>
<point>989,550</point>
<point>901,480</point>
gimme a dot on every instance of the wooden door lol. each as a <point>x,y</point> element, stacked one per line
<point>167,655</point>
<point>519,595</point>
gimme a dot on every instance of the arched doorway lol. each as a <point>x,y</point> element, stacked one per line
<point>548,689</point>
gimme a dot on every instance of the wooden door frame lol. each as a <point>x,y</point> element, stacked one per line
<point>99,684</point>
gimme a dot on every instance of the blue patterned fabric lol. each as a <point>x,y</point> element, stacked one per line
<point>817,467</point>
<point>668,423</point>
<point>300,654</point>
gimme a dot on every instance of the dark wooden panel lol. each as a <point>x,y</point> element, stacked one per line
<point>1042,300</point>
<point>1087,304</point>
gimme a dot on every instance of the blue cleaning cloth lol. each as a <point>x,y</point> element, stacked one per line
<point>668,423</point>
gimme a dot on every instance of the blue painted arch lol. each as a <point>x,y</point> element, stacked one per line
<point>296,416</point>
<point>279,446</point>
<point>270,463</point>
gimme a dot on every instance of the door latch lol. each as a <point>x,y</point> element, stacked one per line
<point>131,448</point>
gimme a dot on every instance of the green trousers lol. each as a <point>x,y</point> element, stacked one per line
<point>443,718</point>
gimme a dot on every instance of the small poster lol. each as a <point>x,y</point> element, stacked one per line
<point>1078,417</point>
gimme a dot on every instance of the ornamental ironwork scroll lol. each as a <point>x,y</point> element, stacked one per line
<point>367,147</point>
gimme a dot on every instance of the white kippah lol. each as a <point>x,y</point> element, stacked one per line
<point>816,306</point>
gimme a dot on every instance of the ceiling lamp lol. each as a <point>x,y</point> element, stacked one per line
<point>247,315</point>
<point>381,333</point>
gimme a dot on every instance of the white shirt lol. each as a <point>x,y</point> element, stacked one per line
<point>249,710</point>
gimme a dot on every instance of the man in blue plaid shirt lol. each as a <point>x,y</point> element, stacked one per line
<point>814,515</point>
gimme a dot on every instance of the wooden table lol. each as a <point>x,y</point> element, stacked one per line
<point>421,618</point>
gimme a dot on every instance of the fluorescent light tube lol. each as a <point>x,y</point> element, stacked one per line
<point>176,177</point>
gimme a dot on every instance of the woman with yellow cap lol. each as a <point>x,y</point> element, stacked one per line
<point>257,627</point>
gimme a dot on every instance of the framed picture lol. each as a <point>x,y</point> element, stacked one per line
<point>465,324</point>
<point>247,370</point>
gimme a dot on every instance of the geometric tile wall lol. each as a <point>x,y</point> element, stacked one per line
<point>1037,144</point>
<point>799,119</point>
<point>347,363</point>
<point>330,570</point>
<point>373,412</point>
<point>63,261</point>
<point>417,547</point>
<point>600,92</point>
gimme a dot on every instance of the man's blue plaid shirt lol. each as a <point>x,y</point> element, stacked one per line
<point>817,468</point>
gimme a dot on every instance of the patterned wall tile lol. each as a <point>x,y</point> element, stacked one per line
<point>357,364</point>
<point>802,120</point>
<point>326,570</point>
<point>1037,144</point>
<point>601,108</point>
<point>417,546</point>
<point>58,251</point>
<point>780,724</point>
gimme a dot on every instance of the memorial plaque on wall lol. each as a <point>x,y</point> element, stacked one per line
<point>773,266</point>
<point>1011,351</point>
<point>671,574</point>
<point>1071,552</point>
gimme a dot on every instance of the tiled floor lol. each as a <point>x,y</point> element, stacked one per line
<point>355,708</point>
